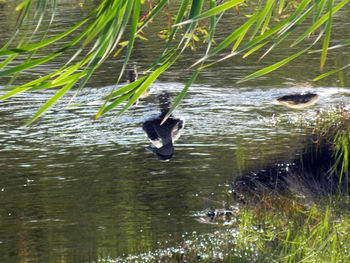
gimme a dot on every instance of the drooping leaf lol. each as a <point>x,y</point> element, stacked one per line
<point>331,72</point>
<point>272,67</point>
<point>50,102</point>
<point>327,36</point>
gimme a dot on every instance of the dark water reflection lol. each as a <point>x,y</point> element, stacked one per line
<point>73,189</point>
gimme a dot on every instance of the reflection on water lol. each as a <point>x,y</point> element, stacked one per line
<point>163,135</point>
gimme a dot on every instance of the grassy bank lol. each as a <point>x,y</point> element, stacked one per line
<point>279,230</point>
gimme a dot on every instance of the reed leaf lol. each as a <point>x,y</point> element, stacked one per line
<point>318,23</point>
<point>51,101</point>
<point>327,36</point>
<point>147,82</point>
<point>180,96</point>
<point>232,37</point>
<point>263,15</point>
<point>196,8</point>
<point>43,43</point>
<point>152,14</point>
<point>212,12</point>
<point>134,21</point>
<point>272,67</point>
<point>331,72</point>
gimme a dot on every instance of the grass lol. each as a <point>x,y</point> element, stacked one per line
<point>278,230</point>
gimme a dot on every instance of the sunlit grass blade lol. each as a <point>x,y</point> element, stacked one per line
<point>42,12</point>
<point>257,47</point>
<point>318,23</point>
<point>115,12</point>
<point>50,102</point>
<point>228,40</point>
<point>128,8</point>
<point>116,102</point>
<point>27,65</point>
<point>296,21</point>
<point>212,12</point>
<point>147,82</point>
<point>267,21</point>
<point>239,39</point>
<point>272,67</point>
<point>152,14</point>
<point>43,43</point>
<point>344,44</point>
<point>180,96</point>
<point>212,27</point>
<point>126,88</point>
<point>279,40</point>
<point>260,38</point>
<point>280,6</point>
<point>327,36</point>
<point>196,8</point>
<point>331,72</point>
<point>179,17</point>
<point>15,90</point>
<point>263,15</point>
<point>134,22</point>
<point>321,4</point>
<point>7,61</point>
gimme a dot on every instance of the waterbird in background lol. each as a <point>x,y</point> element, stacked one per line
<point>132,76</point>
<point>298,101</point>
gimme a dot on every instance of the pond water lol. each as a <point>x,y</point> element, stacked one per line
<point>75,190</point>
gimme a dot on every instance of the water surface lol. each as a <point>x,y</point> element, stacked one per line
<point>73,189</point>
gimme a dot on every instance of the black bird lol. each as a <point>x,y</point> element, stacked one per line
<point>163,136</point>
<point>132,74</point>
<point>298,101</point>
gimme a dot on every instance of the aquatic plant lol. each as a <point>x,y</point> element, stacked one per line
<point>101,34</point>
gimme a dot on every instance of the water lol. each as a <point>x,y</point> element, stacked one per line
<point>74,190</point>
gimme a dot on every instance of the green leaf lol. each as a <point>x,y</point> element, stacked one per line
<point>280,6</point>
<point>257,47</point>
<point>134,22</point>
<point>144,86</point>
<point>50,102</point>
<point>152,14</point>
<point>327,36</point>
<point>318,23</point>
<point>212,12</point>
<point>262,16</point>
<point>196,7</point>
<point>28,65</point>
<point>260,38</point>
<point>43,43</point>
<point>272,67</point>
<point>331,72</point>
<point>229,39</point>
<point>180,96</point>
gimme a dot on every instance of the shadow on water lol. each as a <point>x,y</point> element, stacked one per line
<point>314,174</point>
<point>163,135</point>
